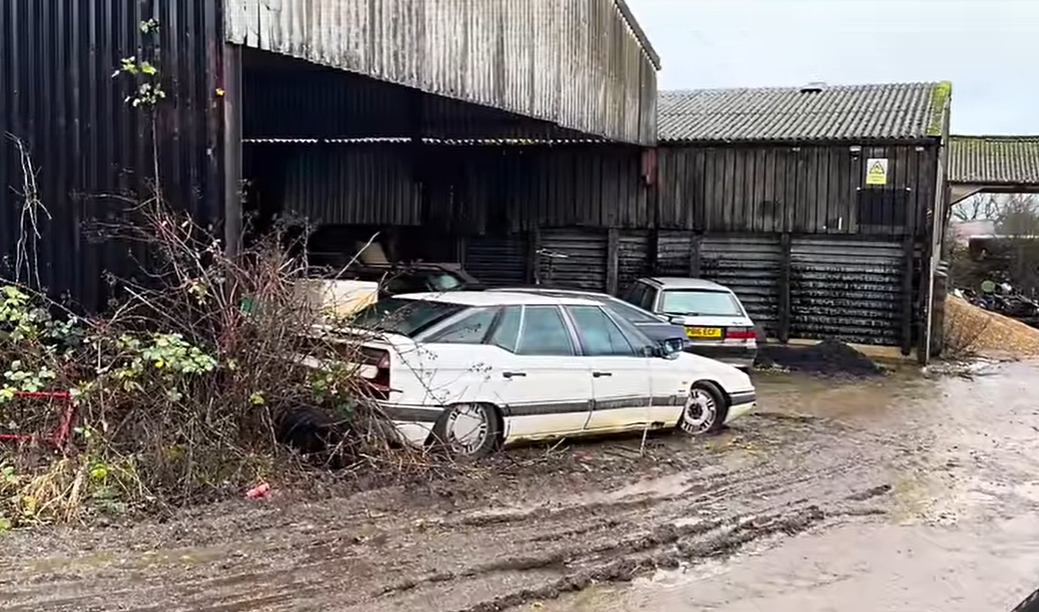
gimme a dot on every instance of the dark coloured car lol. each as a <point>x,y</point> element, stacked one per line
<point>398,279</point>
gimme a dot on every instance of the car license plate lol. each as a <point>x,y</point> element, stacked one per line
<point>703,332</point>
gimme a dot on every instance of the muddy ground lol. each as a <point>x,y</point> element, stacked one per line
<point>879,493</point>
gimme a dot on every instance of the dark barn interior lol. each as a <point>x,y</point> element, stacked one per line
<point>437,179</point>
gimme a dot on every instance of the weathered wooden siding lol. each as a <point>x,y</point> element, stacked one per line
<point>574,258</point>
<point>849,289</point>
<point>852,288</point>
<point>582,64</point>
<point>498,261</point>
<point>806,189</point>
<point>634,257</point>
<point>750,266</point>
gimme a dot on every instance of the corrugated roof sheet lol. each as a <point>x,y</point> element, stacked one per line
<point>994,160</point>
<point>581,64</point>
<point>900,111</point>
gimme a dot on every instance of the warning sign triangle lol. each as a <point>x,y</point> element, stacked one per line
<point>876,172</point>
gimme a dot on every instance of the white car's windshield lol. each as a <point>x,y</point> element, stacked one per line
<point>698,302</point>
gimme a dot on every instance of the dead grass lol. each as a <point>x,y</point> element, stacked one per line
<point>973,330</point>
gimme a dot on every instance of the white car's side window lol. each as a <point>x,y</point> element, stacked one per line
<point>544,333</point>
<point>599,335</point>
<point>506,335</point>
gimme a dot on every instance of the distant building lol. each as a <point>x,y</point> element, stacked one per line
<point>964,230</point>
<point>815,204</point>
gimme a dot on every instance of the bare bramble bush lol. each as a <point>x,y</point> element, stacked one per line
<point>191,385</point>
<point>189,389</point>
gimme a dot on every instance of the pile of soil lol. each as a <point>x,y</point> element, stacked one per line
<point>973,330</point>
<point>829,357</point>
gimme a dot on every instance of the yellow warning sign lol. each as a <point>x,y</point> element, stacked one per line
<point>876,171</point>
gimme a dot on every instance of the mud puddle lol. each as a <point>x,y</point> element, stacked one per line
<point>959,528</point>
<point>544,529</point>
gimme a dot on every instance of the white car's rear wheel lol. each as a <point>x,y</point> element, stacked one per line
<point>704,411</point>
<point>469,430</point>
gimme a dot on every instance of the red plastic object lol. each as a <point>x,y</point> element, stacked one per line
<point>258,491</point>
<point>60,435</point>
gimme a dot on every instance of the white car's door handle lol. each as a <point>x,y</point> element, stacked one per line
<point>601,374</point>
<point>513,374</point>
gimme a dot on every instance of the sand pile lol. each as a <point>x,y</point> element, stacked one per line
<point>969,329</point>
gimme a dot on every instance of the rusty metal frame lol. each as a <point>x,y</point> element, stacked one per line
<point>61,433</point>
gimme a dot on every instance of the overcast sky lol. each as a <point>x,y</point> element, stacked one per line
<point>989,49</point>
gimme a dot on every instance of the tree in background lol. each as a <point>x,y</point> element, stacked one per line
<point>1013,214</point>
<point>1011,257</point>
<point>977,208</point>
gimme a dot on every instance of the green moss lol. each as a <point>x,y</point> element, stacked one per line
<point>940,95</point>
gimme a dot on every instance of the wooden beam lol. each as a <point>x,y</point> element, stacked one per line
<point>233,196</point>
<point>694,255</point>
<point>783,333</point>
<point>612,260</point>
<point>908,312</point>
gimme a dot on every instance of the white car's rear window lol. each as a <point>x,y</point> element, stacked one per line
<point>699,302</point>
<point>404,317</point>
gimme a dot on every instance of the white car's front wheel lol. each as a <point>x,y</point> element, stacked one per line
<point>704,411</point>
<point>469,430</point>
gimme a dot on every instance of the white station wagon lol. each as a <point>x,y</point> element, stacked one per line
<point>475,370</point>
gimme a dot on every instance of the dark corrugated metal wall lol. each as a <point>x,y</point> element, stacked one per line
<point>289,98</point>
<point>851,290</point>
<point>809,189</point>
<point>749,265</point>
<point>674,252</point>
<point>58,95</point>
<point>468,189</point>
<point>581,258</point>
<point>359,185</point>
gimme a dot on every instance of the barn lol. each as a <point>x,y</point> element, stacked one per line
<point>461,130</point>
<point>815,204</point>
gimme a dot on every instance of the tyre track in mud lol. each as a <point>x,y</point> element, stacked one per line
<point>775,477</point>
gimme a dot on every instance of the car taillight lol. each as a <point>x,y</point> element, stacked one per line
<point>382,372</point>
<point>740,333</point>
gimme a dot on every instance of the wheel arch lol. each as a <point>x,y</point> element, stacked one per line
<point>726,398</point>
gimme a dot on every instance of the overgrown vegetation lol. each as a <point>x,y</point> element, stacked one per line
<point>190,386</point>
<point>182,393</point>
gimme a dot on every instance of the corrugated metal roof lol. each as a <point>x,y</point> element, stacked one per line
<point>994,160</point>
<point>582,64</point>
<point>899,111</point>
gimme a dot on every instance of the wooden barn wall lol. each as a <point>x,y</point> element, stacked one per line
<point>806,189</point>
<point>465,190</point>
